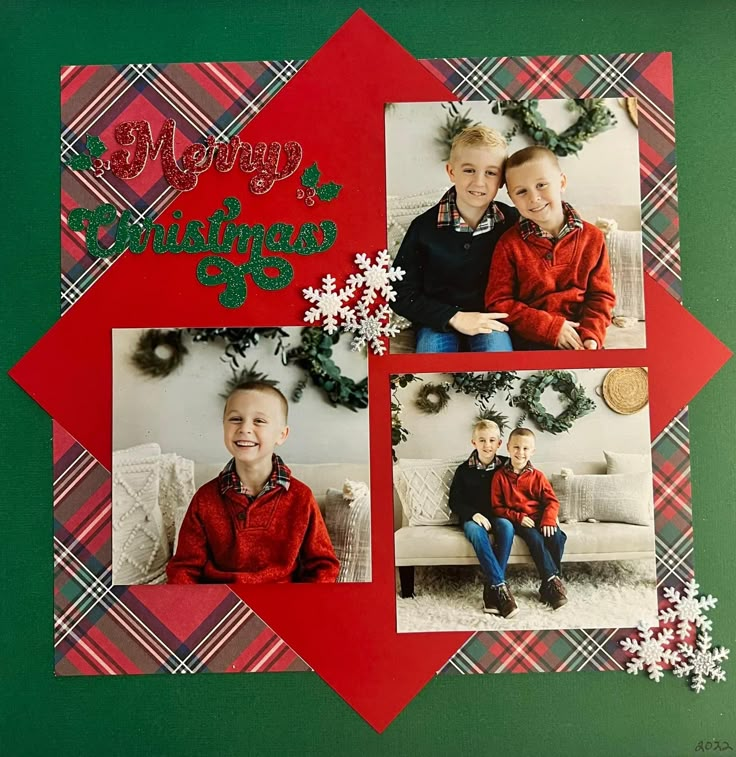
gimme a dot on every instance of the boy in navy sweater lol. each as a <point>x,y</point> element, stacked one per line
<point>470,498</point>
<point>447,252</point>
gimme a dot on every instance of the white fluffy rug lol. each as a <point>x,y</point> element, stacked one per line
<point>600,595</point>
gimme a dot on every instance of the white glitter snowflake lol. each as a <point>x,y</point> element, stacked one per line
<point>650,652</point>
<point>688,610</point>
<point>701,662</point>
<point>376,277</point>
<point>370,327</point>
<point>329,304</point>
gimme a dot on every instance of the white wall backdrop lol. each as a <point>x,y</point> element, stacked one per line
<point>603,179</point>
<point>447,434</point>
<point>183,412</point>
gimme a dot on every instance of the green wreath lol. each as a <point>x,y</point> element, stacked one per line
<point>432,398</point>
<point>150,362</point>
<point>593,118</point>
<point>530,394</point>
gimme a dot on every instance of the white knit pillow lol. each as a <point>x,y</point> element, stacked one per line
<point>176,489</point>
<point>423,487</point>
<point>348,521</point>
<point>140,547</point>
<point>619,498</point>
<point>625,256</point>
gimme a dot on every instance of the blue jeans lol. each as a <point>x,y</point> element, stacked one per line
<point>546,551</point>
<point>492,559</point>
<point>429,340</point>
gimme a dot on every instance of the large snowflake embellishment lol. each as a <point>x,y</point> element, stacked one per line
<point>368,317</point>
<point>701,662</point>
<point>329,304</point>
<point>376,278</point>
<point>650,652</point>
<point>687,609</point>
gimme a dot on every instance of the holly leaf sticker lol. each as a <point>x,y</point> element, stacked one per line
<point>81,163</point>
<point>310,177</point>
<point>95,146</point>
<point>328,191</point>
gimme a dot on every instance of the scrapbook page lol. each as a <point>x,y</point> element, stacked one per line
<point>391,390</point>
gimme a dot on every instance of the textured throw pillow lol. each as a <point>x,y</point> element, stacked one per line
<point>625,256</point>
<point>423,487</point>
<point>619,498</point>
<point>140,546</point>
<point>567,512</point>
<point>175,490</point>
<point>348,521</point>
<point>627,462</point>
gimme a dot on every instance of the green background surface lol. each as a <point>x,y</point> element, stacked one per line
<point>284,714</point>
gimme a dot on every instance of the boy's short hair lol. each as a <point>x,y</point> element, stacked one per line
<point>522,432</point>
<point>260,386</point>
<point>477,136</point>
<point>528,154</point>
<point>483,424</point>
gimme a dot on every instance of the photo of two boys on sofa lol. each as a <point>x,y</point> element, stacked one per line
<point>600,473</point>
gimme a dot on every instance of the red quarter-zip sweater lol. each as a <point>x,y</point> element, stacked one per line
<point>278,537</point>
<point>541,283</point>
<point>514,495</point>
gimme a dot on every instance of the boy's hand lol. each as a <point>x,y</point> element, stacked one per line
<point>548,530</point>
<point>590,344</point>
<point>568,338</point>
<point>527,522</point>
<point>478,323</point>
<point>482,521</point>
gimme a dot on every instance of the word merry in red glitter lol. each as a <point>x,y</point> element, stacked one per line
<point>263,159</point>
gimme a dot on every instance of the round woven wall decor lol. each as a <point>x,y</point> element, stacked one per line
<point>626,390</point>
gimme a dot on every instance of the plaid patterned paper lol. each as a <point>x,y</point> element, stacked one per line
<point>102,629</point>
<point>216,99</point>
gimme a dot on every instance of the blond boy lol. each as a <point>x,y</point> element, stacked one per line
<point>254,523</point>
<point>523,495</point>
<point>551,272</point>
<point>447,251</point>
<point>470,499</point>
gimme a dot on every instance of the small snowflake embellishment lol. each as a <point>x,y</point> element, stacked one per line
<point>370,327</point>
<point>376,278</point>
<point>687,610</point>
<point>329,304</point>
<point>701,662</point>
<point>650,652</point>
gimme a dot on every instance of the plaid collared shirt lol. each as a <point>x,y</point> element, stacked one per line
<point>527,467</point>
<point>474,462</point>
<point>572,221</point>
<point>449,215</point>
<point>280,476</point>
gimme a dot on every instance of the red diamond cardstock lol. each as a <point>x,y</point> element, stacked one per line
<point>346,633</point>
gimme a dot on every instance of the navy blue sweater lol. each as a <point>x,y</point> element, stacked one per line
<point>470,491</point>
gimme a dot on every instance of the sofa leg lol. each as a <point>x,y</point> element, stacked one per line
<point>406,578</point>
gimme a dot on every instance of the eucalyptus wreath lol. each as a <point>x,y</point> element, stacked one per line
<point>314,355</point>
<point>530,394</point>
<point>149,361</point>
<point>432,398</point>
<point>593,118</point>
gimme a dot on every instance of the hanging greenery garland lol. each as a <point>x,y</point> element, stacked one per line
<point>314,355</point>
<point>399,433</point>
<point>593,118</point>
<point>432,398</point>
<point>530,394</point>
<point>484,386</point>
<point>238,341</point>
<point>148,358</point>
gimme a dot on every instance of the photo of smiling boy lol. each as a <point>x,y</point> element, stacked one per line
<point>254,523</point>
<point>447,250</point>
<point>551,272</point>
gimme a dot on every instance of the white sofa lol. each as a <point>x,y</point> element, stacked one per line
<point>445,544</point>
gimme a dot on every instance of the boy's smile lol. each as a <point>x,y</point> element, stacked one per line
<point>253,427</point>
<point>486,444</point>
<point>477,173</point>
<point>521,449</point>
<point>536,189</point>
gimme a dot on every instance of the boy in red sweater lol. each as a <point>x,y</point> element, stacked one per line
<point>550,272</point>
<point>254,523</point>
<point>523,495</point>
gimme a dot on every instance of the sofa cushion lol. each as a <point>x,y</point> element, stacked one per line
<point>627,462</point>
<point>423,487</point>
<point>620,498</point>
<point>348,521</point>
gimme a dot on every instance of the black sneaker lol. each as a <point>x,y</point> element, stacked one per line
<point>507,606</point>
<point>490,600</point>
<point>555,593</point>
